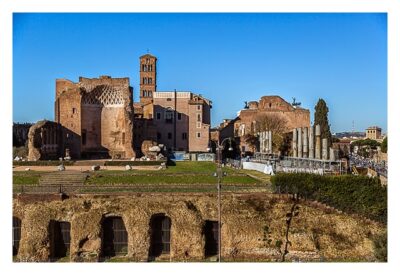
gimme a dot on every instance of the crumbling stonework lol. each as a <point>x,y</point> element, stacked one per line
<point>245,123</point>
<point>43,141</point>
<point>317,233</point>
<point>97,116</point>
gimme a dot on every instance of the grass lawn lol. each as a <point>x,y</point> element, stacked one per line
<point>27,177</point>
<point>183,173</point>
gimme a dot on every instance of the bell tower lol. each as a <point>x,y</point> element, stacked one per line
<point>148,80</point>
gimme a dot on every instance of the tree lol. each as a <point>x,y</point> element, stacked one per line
<point>274,123</point>
<point>271,122</point>
<point>252,141</point>
<point>321,118</point>
<point>384,145</point>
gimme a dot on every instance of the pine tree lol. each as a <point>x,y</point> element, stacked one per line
<point>321,118</point>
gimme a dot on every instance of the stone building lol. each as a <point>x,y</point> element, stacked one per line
<point>96,116</point>
<point>246,122</point>
<point>373,132</point>
<point>180,120</point>
<point>20,133</point>
<point>44,139</point>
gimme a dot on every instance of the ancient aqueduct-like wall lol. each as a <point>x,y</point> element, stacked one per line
<point>317,233</point>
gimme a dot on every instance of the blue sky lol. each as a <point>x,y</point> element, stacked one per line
<point>228,58</point>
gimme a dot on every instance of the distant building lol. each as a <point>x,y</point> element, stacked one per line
<point>246,122</point>
<point>180,120</point>
<point>373,132</point>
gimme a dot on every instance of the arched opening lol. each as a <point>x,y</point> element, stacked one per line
<point>160,235</point>
<point>210,232</point>
<point>16,234</point>
<point>60,238</point>
<point>115,237</point>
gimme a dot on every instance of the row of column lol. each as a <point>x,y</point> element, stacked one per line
<point>307,144</point>
<point>265,139</point>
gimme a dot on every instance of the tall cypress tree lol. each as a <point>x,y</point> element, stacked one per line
<point>321,118</point>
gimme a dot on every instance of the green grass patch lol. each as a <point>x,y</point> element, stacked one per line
<point>165,179</point>
<point>26,177</point>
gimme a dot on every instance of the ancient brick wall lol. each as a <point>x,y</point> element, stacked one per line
<point>317,233</point>
<point>96,115</point>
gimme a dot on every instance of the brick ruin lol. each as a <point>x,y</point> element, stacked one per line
<point>317,234</point>
<point>96,116</point>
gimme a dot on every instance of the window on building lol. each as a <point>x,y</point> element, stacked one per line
<point>150,93</point>
<point>198,117</point>
<point>184,136</point>
<point>179,116</point>
<point>60,239</point>
<point>160,235</point>
<point>169,135</point>
<point>270,104</point>
<point>150,68</point>
<point>198,124</point>
<point>16,234</point>
<point>123,138</point>
<point>198,107</point>
<point>150,80</point>
<point>144,93</point>
<point>210,232</point>
<point>169,115</point>
<point>158,136</point>
<point>74,110</point>
<point>198,134</point>
<point>158,115</point>
<point>115,237</point>
<point>169,99</point>
<point>84,137</point>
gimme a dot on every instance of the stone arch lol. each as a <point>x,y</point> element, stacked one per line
<point>60,239</point>
<point>210,232</point>
<point>114,237</point>
<point>16,234</point>
<point>160,235</point>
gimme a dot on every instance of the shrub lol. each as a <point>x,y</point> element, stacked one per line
<point>380,247</point>
<point>43,163</point>
<point>352,194</point>
<point>133,163</point>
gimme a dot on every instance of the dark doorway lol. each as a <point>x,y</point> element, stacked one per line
<point>211,236</point>
<point>60,238</point>
<point>160,232</point>
<point>115,237</point>
<point>16,234</point>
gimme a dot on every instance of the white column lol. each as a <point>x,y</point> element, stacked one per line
<point>305,142</point>
<point>299,143</point>
<point>311,143</point>
<point>294,143</point>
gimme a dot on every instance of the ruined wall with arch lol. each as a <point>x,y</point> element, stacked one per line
<point>244,217</point>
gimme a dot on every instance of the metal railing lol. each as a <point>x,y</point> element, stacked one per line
<point>133,188</point>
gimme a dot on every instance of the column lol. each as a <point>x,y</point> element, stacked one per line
<point>317,141</point>
<point>299,143</point>
<point>332,156</point>
<point>305,142</point>
<point>311,143</point>
<point>294,143</point>
<point>325,149</point>
<point>270,142</point>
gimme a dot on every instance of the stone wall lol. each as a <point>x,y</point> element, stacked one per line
<point>96,115</point>
<point>317,233</point>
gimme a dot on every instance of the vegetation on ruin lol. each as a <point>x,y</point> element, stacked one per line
<point>353,194</point>
<point>366,142</point>
<point>384,145</point>
<point>380,247</point>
